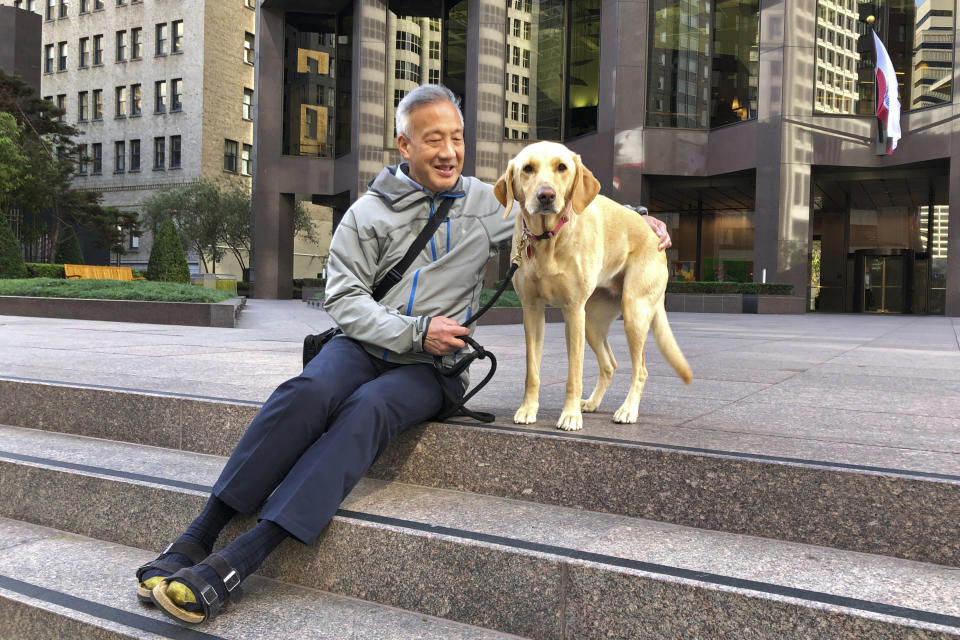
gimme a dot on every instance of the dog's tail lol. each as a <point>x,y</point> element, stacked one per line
<point>668,345</point>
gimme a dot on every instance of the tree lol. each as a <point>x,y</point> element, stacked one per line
<point>11,261</point>
<point>167,262</point>
<point>12,159</point>
<point>213,218</point>
<point>46,156</point>
<point>68,251</point>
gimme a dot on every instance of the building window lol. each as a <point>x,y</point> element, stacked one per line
<point>174,152</point>
<point>51,9</point>
<point>514,111</point>
<point>230,155</point>
<point>250,4</point>
<point>398,95</point>
<point>83,161</point>
<point>515,83</point>
<point>434,50</point>
<point>119,156</point>
<point>83,98</point>
<point>134,243</point>
<point>121,46</point>
<point>176,94</point>
<point>84,52</point>
<point>97,150</point>
<point>98,104</point>
<point>525,86</point>
<point>98,5</point>
<point>162,39</point>
<point>135,155</point>
<point>526,31</point>
<point>62,56</point>
<point>403,70</point>
<point>516,56</point>
<point>97,50</point>
<point>408,42</point>
<point>525,113</point>
<point>160,96</point>
<point>159,153</point>
<point>246,166</point>
<point>247,110</point>
<point>48,58</point>
<point>84,6</point>
<point>62,106</point>
<point>63,8</point>
<point>516,28</point>
<point>121,102</point>
<point>136,100</point>
<point>434,76</point>
<point>136,43</point>
<point>177,45</point>
<point>248,48</point>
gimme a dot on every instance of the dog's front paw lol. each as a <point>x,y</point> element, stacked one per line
<point>588,406</point>
<point>570,421</point>
<point>525,415</point>
<point>625,415</point>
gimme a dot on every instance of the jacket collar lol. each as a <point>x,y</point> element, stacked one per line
<point>400,192</point>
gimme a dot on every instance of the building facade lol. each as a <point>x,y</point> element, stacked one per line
<point>745,124</point>
<point>161,91</point>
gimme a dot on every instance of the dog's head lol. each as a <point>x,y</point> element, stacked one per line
<point>544,177</point>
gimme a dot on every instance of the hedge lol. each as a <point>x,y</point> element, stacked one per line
<point>11,260</point>
<point>43,270</point>
<point>758,288</point>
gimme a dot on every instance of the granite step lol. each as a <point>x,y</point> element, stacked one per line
<point>534,570</point>
<point>42,571</point>
<point>879,508</point>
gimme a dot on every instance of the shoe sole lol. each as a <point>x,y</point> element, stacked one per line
<point>160,598</point>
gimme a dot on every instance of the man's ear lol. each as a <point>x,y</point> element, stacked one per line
<point>503,190</point>
<point>403,145</point>
<point>585,187</point>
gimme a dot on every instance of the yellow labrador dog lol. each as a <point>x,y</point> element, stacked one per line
<point>596,260</point>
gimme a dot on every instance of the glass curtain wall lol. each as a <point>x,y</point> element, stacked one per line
<point>553,69</point>
<point>918,35</point>
<point>428,45</point>
<point>316,85</point>
<point>704,59</point>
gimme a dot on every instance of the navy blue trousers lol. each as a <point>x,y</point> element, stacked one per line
<point>319,432</point>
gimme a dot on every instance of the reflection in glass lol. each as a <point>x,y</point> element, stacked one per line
<point>918,35</point>
<point>310,85</point>
<point>552,75</point>
<point>678,94</point>
<point>735,61</point>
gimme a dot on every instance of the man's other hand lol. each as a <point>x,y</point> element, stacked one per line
<point>660,228</point>
<point>443,336</point>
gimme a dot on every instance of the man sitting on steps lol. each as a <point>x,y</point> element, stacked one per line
<point>319,432</point>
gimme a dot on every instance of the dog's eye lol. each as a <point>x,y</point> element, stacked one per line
<point>561,167</point>
<point>528,168</point>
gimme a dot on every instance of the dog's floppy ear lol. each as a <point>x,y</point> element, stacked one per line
<point>585,187</point>
<point>503,190</point>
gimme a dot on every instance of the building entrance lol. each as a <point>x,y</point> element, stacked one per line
<point>880,239</point>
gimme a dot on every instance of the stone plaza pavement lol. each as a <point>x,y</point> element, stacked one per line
<point>880,391</point>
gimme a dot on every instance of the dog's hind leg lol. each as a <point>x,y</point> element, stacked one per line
<point>636,324</point>
<point>533,330</point>
<point>601,310</point>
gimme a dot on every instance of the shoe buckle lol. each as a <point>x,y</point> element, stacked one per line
<point>232,580</point>
<point>209,595</point>
<point>169,547</point>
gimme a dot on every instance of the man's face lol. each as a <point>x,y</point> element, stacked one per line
<point>434,149</point>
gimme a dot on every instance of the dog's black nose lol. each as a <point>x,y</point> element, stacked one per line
<point>546,195</point>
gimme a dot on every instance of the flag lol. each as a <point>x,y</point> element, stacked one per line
<point>888,95</point>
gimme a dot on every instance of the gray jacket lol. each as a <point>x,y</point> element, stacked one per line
<point>444,280</point>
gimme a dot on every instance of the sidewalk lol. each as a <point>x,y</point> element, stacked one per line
<point>879,391</point>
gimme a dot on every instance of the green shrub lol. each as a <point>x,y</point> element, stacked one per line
<point>68,248</point>
<point>43,270</point>
<point>11,260</point>
<point>507,298</point>
<point>137,273</point>
<point>168,262</point>
<point>111,290</point>
<point>758,288</point>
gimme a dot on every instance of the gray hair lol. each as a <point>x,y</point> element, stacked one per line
<point>422,95</point>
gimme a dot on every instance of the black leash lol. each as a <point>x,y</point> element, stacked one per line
<point>478,353</point>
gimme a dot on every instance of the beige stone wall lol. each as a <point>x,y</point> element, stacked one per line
<point>225,74</point>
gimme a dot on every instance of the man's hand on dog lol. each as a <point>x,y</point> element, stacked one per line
<point>443,336</point>
<point>660,228</point>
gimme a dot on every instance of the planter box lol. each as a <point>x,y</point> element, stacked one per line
<point>194,314</point>
<point>734,303</point>
<point>307,293</point>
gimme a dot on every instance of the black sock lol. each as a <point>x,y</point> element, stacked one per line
<point>245,554</point>
<point>203,531</point>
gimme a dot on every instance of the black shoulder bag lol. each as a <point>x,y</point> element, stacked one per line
<point>313,343</point>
